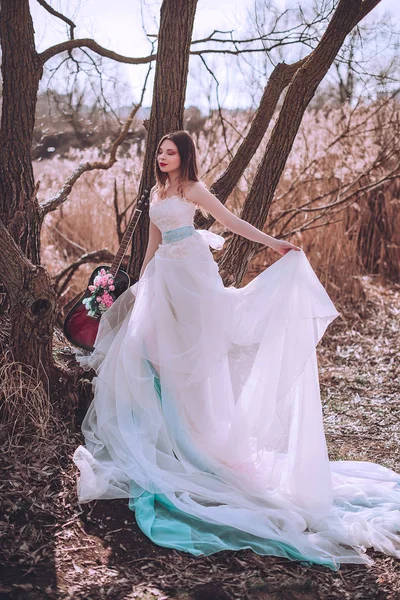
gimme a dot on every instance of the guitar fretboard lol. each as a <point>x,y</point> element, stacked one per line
<point>126,238</point>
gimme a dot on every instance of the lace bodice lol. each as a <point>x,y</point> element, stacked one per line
<point>176,211</point>
<point>172,212</point>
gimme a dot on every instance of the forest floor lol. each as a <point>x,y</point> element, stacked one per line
<point>52,547</point>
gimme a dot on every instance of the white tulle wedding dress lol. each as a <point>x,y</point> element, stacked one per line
<point>207,414</point>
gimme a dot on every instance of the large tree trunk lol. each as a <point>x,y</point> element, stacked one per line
<point>21,70</point>
<point>32,297</point>
<point>32,306</point>
<point>32,312</point>
<point>172,67</point>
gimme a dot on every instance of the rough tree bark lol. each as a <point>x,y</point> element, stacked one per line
<point>32,316</point>
<point>172,67</point>
<point>21,70</point>
<point>32,306</point>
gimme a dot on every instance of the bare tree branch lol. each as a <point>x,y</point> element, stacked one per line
<point>328,211</point>
<point>69,45</point>
<point>244,51</point>
<point>92,45</point>
<point>59,15</point>
<point>348,132</point>
<point>290,37</point>
<point>97,256</point>
<point>344,196</point>
<point>61,196</point>
<point>273,35</point>
<point>218,104</point>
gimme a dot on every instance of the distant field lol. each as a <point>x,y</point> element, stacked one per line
<point>339,197</point>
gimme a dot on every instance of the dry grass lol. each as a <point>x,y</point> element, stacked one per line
<point>346,157</point>
<point>26,411</point>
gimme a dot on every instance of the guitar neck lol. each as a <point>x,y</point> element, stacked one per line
<point>126,238</point>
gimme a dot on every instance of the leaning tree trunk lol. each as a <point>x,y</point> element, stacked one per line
<point>21,70</point>
<point>172,67</point>
<point>240,251</point>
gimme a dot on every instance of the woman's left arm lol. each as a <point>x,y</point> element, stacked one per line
<point>199,194</point>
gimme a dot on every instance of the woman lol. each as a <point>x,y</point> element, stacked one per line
<point>207,413</point>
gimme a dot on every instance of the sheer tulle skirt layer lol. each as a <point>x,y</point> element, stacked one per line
<point>207,416</point>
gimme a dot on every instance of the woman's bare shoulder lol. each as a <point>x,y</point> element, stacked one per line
<point>195,184</point>
<point>193,187</point>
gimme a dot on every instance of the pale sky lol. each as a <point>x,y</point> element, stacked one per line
<point>117,25</point>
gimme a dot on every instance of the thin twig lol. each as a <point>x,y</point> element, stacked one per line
<point>59,15</point>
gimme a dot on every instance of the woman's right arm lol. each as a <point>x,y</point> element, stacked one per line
<point>155,239</point>
<point>198,194</point>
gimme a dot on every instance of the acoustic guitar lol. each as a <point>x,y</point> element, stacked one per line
<point>105,285</point>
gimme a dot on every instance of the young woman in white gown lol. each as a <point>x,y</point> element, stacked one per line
<point>206,413</point>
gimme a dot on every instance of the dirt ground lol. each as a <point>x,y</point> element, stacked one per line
<point>52,547</point>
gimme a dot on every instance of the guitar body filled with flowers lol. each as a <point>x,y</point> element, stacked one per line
<point>106,284</point>
<point>102,295</point>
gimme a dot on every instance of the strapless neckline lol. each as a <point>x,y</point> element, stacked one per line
<point>154,202</point>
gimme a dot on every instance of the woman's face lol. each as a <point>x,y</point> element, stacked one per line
<point>168,157</point>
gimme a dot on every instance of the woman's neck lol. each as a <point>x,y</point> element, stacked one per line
<point>174,181</point>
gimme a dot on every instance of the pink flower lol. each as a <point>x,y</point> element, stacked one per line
<point>112,287</point>
<point>92,288</point>
<point>106,299</point>
<point>105,280</point>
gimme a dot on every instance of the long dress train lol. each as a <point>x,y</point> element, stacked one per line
<point>207,415</point>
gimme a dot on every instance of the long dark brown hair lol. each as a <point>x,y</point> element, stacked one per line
<point>188,167</point>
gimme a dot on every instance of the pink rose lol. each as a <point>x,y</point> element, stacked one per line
<point>106,299</point>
